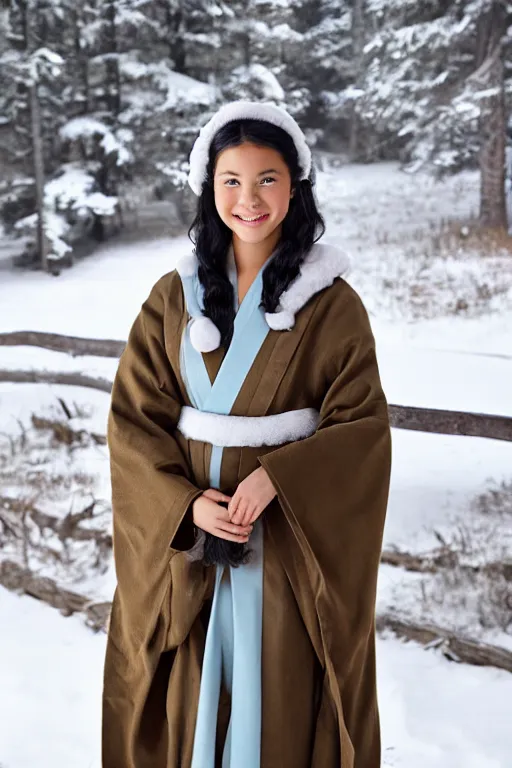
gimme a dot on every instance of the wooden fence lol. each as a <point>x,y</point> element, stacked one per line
<point>454,647</point>
<point>401,416</point>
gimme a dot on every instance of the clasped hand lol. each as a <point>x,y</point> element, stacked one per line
<point>234,523</point>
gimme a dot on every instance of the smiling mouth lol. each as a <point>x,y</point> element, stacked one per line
<point>252,220</point>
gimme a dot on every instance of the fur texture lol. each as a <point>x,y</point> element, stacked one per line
<point>237,110</point>
<point>204,334</point>
<point>321,266</point>
<point>186,265</point>
<point>239,431</point>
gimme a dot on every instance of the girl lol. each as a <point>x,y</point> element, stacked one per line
<point>250,461</point>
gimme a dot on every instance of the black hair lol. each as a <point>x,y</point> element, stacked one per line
<point>302,226</point>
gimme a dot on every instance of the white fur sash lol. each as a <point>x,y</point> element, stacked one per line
<point>230,431</point>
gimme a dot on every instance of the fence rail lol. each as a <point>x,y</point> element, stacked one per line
<point>432,420</point>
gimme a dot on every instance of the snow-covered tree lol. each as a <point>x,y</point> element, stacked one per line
<point>34,26</point>
<point>435,79</point>
<point>323,67</point>
<point>46,75</point>
<point>32,101</point>
<point>424,80</point>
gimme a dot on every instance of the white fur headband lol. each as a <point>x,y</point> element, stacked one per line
<point>236,110</point>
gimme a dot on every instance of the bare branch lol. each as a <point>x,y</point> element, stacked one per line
<point>454,647</point>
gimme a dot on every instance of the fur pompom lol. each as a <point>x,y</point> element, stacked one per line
<point>280,320</point>
<point>186,266</point>
<point>204,334</point>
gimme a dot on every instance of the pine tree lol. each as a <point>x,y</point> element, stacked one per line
<point>424,80</point>
<point>358,40</point>
<point>323,68</point>
<point>488,85</point>
<point>32,99</point>
<point>435,79</point>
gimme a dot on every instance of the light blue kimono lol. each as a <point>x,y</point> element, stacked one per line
<point>233,640</point>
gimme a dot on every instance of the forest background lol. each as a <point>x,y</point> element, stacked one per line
<point>100,100</point>
<point>407,107</point>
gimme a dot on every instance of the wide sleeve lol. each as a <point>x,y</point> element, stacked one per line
<point>152,487</point>
<point>333,488</point>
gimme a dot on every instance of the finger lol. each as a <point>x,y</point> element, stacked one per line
<point>254,516</point>
<point>221,534</point>
<point>219,496</point>
<point>242,515</point>
<point>233,506</point>
<point>226,524</point>
<point>250,512</point>
<point>216,495</point>
<point>223,514</point>
<point>240,511</point>
<point>236,530</point>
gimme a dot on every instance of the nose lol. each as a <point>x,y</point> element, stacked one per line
<point>248,197</point>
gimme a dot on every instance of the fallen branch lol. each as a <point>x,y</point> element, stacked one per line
<point>55,377</point>
<point>72,345</point>
<point>433,562</point>
<point>430,563</point>
<point>22,581</point>
<point>454,647</point>
<point>96,614</point>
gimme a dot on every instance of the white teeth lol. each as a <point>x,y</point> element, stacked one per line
<point>255,218</point>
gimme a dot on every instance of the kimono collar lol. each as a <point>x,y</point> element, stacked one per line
<point>321,266</point>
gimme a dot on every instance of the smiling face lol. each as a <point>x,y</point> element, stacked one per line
<point>252,182</point>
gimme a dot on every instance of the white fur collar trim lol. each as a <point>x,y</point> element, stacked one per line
<point>187,265</point>
<point>321,266</point>
<point>256,431</point>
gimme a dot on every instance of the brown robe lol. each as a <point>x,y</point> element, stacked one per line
<point>322,540</point>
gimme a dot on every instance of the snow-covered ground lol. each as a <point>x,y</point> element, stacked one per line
<point>444,340</point>
<point>434,713</point>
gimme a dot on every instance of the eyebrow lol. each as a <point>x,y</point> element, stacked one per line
<point>233,173</point>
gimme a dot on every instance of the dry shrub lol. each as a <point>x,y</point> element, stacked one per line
<point>64,434</point>
<point>477,589</point>
<point>456,237</point>
<point>50,516</point>
<point>447,267</point>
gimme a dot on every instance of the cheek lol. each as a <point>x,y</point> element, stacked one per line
<point>223,201</point>
<point>281,202</point>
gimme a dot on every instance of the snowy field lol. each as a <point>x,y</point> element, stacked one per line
<point>51,686</point>
<point>442,316</point>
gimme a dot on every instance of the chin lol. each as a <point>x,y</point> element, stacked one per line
<point>253,237</point>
